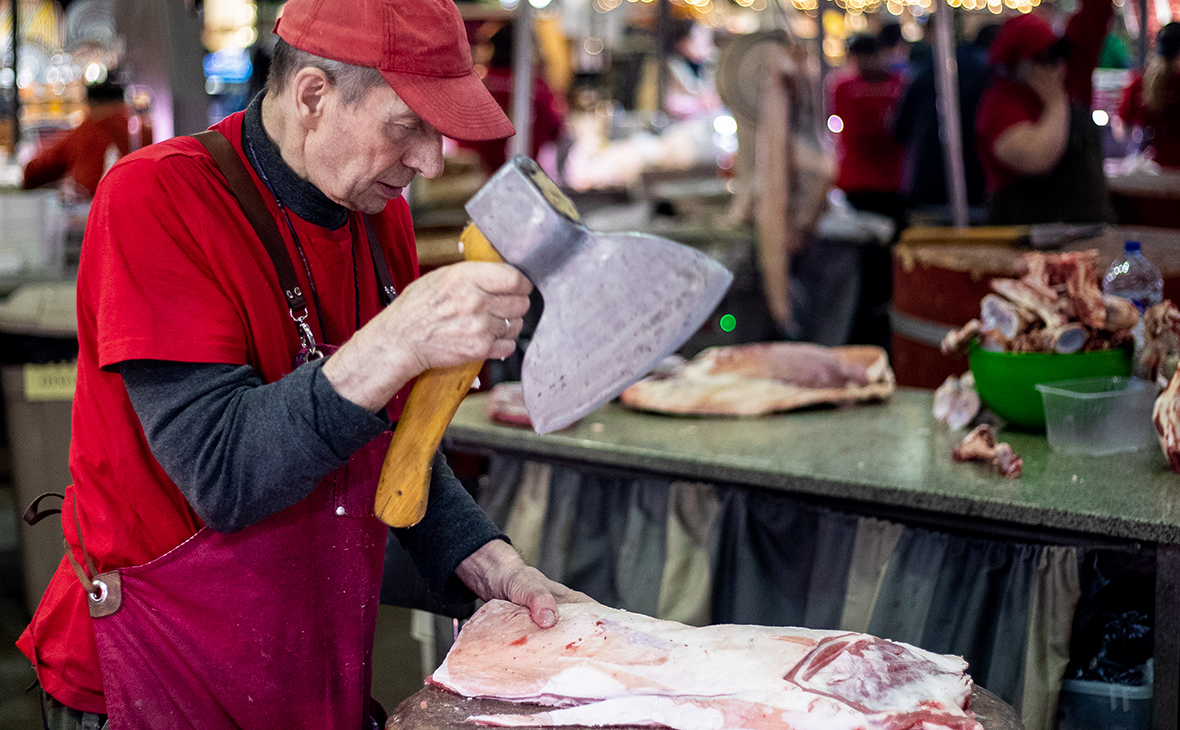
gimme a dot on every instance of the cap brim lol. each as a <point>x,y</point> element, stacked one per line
<point>460,107</point>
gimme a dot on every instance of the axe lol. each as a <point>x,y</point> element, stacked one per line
<point>616,304</point>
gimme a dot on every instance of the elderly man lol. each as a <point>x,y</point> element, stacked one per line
<point>224,562</point>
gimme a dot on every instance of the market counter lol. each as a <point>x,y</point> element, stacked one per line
<point>884,463</point>
<point>893,454</point>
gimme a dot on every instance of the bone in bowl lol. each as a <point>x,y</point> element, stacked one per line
<point>1006,381</point>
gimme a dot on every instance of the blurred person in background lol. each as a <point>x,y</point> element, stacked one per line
<point>1152,101</point>
<point>81,158</point>
<point>923,180</point>
<point>548,109</point>
<point>894,48</point>
<point>868,157</point>
<point>691,89</point>
<point>861,102</point>
<point>1040,149</point>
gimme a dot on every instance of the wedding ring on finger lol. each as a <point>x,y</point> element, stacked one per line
<point>507,328</point>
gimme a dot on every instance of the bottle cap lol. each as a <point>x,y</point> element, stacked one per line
<point>1131,247</point>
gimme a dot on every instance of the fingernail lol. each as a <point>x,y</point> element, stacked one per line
<point>548,618</point>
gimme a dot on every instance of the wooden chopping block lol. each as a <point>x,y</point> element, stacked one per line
<point>433,708</point>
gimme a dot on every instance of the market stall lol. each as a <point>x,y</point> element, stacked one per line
<point>849,519</point>
<point>854,518</point>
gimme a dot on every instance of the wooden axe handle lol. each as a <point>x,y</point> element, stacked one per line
<point>404,485</point>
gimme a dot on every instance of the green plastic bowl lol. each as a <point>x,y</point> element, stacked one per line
<point>1007,381</point>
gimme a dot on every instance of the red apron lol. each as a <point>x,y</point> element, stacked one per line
<point>268,627</point>
<point>271,626</point>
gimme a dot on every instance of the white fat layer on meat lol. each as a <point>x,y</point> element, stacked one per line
<point>583,682</point>
<point>946,662</point>
<point>636,663</point>
<point>648,656</point>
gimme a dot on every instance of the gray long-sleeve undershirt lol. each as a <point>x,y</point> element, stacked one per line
<point>240,451</point>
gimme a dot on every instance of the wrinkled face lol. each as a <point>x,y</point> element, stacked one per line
<point>364,155</point>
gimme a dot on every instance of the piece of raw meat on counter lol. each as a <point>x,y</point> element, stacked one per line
<point>980,445</point>
<point>505,404</point>
<point>1166,416</point>
<point>1161,342</point>
<point>1157,360</point>
<point>601,666</point>
<point>766,377</point>
<point>956,402</point>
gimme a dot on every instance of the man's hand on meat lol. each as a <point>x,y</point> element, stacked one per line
<point>497,571</point>
<point>457,314</point>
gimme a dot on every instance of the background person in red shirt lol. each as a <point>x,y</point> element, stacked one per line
<point>548,109</point>
<point>868,156</point>
<point>861,105</point>
<point>85,154</point>
<point>1152,101</point>
<point>1040,149</point>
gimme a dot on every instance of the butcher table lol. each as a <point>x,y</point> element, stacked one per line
<point>891,460</point>
<point>436,709</point>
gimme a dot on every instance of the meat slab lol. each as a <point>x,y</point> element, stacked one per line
<point>765,377</point>
<point>601,666</point>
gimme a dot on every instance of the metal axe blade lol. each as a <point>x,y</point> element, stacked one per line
<point>615,304</point>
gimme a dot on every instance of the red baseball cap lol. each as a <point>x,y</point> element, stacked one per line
<point>419,46</point>
<point>1020,38</point>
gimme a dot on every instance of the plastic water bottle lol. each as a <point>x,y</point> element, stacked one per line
<point>1133,277</point>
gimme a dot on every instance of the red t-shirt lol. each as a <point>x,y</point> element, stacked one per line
<point>867,153</point>
<point>82,153</point>
<point>172,270</point>
<point>1008,102</point>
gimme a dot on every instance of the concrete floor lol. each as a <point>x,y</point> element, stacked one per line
<point>397,664</point>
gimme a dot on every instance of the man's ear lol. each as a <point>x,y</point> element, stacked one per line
<point>311,87</point>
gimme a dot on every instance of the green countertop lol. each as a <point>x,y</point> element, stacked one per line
<point>891,453</point>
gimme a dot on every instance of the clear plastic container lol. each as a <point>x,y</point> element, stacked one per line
<point>32,233</point>
<point>1099,416</point>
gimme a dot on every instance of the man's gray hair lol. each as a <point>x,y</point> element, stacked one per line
<point>354,82</point>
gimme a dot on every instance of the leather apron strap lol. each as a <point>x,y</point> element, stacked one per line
<point>256,212</point>
<point>264,225</point>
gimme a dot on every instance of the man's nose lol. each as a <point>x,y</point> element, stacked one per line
<point>426,154</point>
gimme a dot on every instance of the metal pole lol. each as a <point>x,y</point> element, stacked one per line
<point>1141,51</point>
<point>946,76</point>
<point>15,87</point>
<point>522,81</point>
<point>663,31</point>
